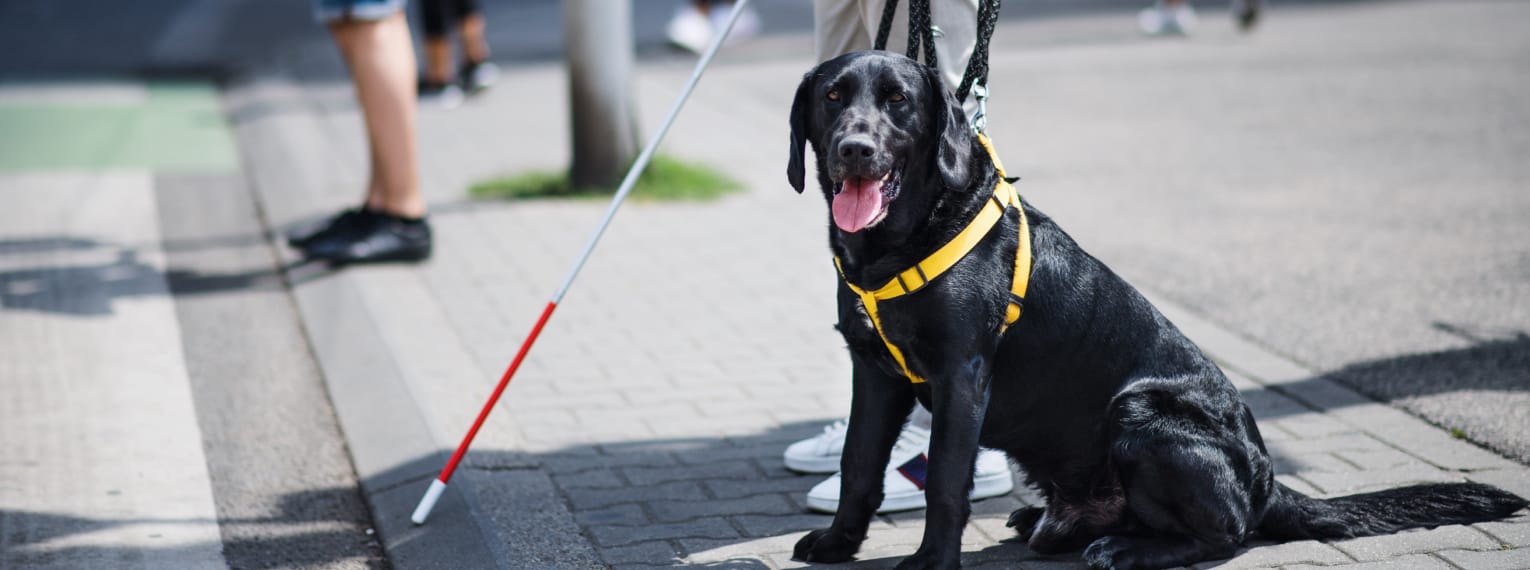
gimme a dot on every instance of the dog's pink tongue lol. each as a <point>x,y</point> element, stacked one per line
<point>858,203</point>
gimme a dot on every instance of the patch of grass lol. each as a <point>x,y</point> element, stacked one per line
<point>1457,433</point>
<point>666,179</point>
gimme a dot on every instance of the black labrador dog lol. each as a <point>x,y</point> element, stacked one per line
<point>1145,453</point>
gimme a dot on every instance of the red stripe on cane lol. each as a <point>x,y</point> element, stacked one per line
<point>451,466</point>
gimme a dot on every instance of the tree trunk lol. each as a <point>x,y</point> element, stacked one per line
<point>599,41</point>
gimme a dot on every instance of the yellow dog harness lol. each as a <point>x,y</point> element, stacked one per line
<point>922,273</point>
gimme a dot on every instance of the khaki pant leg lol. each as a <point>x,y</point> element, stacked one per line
<point>837,28</point>
<point>844,26</point>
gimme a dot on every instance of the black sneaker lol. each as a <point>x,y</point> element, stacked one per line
<point>338,224</point>
<point>478,76</point>
<point>382,237</point>
<point>444,95</point>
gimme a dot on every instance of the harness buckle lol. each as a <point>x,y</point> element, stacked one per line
<point>980,118</point>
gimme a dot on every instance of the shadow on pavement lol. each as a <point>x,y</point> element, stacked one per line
<point>718,502</point>
<point>89,289</point>
<point>297,533</point>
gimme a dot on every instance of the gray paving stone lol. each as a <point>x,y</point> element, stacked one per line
<point>1355,481</point>
<point>1515,481</point>
<point>623,414</point>
<point>1502,559</point>
<point>629,514</point>
<point>675,511</point>
<point>606,536</point>
<point>1289,553</point>
<point>1416,542</point>
<point>993,528</point>
<point>655,553</point>
<point>1008,553</point>
<point>593,460</point>
<point>656,447</point>
<point>724,470</point>
<point>1056,563</point>
<point>1312,424</point>
<point>1300,485</point>
<point>715,455</point>
<point>1271,433</point>
<point>1410,562</point>
<point>738,425</point>
<point>1421,439</point>
<point>1514,532</point>
<point>1381,458</point>
<point>734,488</point>
<point>692,547</point>
<point>595,498</point>
<point>592,479</point>
<point>1000,506</point>
<point>757,526</point>
<point>1355,442</point>
<point>1269,404</point>
<point>774,467</point>
<point>650,396</point>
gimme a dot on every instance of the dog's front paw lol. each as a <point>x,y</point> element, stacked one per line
<point>826,545</point>
<point>927,560</point>
<point>1024,520</point>
<point>1109,553</point>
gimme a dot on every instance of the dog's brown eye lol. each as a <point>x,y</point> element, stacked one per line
<point>833,95</point>
<point>896,98</point>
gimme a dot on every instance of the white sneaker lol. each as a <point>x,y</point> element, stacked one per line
<point>903,482</point>
<point>748,24</point>
<point>689,28</point>
<point>1164,20</point>
<point>818,454</point>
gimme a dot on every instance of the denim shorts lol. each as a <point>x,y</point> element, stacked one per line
<point>327,11</point>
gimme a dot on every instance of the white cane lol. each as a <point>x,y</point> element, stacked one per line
<point>428,502</point>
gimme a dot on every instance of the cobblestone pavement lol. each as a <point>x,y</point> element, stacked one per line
<point>697,344</point>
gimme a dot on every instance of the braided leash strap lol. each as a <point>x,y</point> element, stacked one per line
<point>977,65</point>
<point>884,28</point>
<point>921,34</point>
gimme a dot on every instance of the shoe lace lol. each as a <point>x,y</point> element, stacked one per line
<point>832,434</point>
<point>912,440</point>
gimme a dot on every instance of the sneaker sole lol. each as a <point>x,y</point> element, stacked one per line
<point>984,487</point>
<point>388,258</point>
<point>814,466</point>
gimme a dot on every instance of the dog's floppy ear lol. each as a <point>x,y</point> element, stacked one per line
<point>953,145</point>
<point>799,119</point>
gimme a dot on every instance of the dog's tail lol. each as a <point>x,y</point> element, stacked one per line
<point>1294,516</point>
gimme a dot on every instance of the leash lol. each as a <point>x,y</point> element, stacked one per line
<point>974,81</point>
<point>922,34</point>
<point>438,485</point>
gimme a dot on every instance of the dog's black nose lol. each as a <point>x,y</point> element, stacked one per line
<point>856,148</point>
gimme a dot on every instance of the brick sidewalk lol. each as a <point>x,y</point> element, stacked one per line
<point>698,343</point>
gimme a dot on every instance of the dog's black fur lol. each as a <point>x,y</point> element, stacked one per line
<point>1145,453</point>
